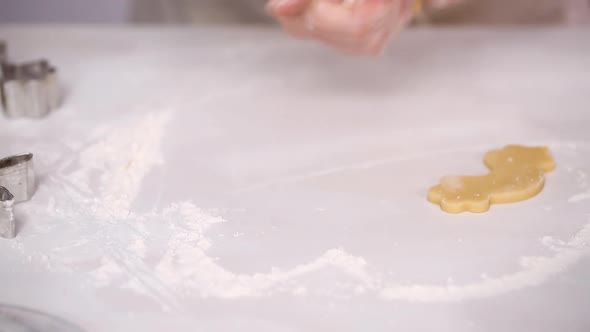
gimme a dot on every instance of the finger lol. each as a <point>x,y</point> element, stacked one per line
<point>380,23</point>
<point>285,8</point>
<point>354,28</point>
<point>402,13</point>
<point>372,44</point>
<point>355,21</point>
<point>343,46</point>
<point>377,43</point>
<point>294,27</point>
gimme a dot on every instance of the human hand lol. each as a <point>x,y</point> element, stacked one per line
<point>357,26</point>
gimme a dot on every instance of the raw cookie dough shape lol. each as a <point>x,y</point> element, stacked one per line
<point>516,173</point>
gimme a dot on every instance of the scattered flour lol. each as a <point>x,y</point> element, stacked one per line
<point>108,178</point>
<point>552,243</point>
<point>536,270</point>
<point>124,158</point>
<point>579,197</point>
<point>582,179</point>
<point>104,274</point>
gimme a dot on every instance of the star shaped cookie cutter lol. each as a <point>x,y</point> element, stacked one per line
<point>29,90</point>
<point>17,184</point>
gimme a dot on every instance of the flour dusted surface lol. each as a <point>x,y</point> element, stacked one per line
<point>202,189</point>
<point>182,263</point>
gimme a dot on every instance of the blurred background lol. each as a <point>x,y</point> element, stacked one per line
<point>571,12</point>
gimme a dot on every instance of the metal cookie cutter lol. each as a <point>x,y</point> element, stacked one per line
<point>18,176</point>
<point>17,184</point>
<point>7,221</point>
<point>29,90</point>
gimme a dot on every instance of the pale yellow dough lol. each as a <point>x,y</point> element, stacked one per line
<point>516,173</point>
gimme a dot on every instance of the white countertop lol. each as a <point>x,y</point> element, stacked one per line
<point>225,180</point>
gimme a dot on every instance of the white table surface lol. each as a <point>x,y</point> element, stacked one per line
<point>318,164</point>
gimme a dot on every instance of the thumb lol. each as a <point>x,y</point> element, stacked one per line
<point>283,8</point>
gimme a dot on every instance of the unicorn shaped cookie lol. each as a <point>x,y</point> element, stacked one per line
<point>516,173</point>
